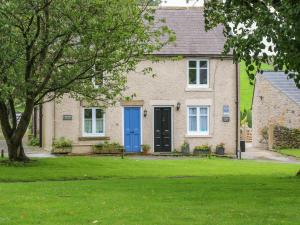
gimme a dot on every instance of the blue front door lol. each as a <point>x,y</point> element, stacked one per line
<point>132,129</point>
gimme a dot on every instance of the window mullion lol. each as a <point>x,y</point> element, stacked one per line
<point>198,119</point>
<point>93,120</point>
<point>198,72</point>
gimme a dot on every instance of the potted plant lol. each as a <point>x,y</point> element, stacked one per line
<point>185,148</point>
<point>202,150</point>
<point>146,149</point>
<point>220,149</point>
<point>61,146</point>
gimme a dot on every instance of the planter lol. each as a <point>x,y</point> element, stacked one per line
<point>220,150</point>
<point>185,150</point>
<point>62,150</point>
<point>201,152</point>
<point>101,150</point>
<point>146,152</point>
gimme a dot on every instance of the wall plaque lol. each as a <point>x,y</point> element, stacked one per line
<point>67,117</point>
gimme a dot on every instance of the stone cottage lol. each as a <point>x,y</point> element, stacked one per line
<point>276,101</point>
<point>193,99</point>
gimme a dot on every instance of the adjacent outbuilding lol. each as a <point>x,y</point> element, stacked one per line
<point>276,101</point>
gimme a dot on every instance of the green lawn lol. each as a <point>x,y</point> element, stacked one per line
<point>246,87</point>
<point>106,190</point>
<point>291,152</point>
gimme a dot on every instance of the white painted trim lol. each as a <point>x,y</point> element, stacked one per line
<point>93,125</point>
<point>197,86</point>
<point>172,124</point>
<point>141,124</point>
<point>198,132</point>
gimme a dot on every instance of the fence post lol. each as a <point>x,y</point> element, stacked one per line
<point>271,136</point>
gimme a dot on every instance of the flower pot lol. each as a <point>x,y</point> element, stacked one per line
<point>220,150</point>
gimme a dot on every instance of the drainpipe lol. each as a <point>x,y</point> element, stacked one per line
<point>237,102</point>
<point>41,125</point>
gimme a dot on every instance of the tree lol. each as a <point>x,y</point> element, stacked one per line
<point>254,27</point>
<point>49,48</point>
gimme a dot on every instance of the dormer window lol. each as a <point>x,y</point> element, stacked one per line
<point>198,74</point>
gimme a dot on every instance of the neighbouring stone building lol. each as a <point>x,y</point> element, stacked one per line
<point>276,101</point>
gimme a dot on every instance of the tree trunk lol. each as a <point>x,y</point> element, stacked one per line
<point>16,152</point>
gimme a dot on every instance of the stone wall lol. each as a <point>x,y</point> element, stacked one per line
<point>284,137</point>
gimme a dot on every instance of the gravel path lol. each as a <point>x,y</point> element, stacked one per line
<point>31,152</point>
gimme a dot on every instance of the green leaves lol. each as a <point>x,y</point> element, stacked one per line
<point>248,25</point>
<point>51,47</point>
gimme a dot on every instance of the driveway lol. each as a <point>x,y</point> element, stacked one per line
<point>254,153</point>
<point>31,152</point>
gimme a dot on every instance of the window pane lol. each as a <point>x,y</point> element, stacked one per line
<point>192,119</point>
<point>203,124</point>
<point>192,123</point>
<point>203,111</point>
<point>99,113</point>
<point>192,111</point>
<point>203,76</point>
<point>192,76</point>
<point>88,121</point>
<point>99,79</point>
<point>99,121</point>
<point>203,64</point>
<point>192,64</point>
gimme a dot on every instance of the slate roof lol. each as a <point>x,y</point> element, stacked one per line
<point>191,37</point>
<point>288,87</point>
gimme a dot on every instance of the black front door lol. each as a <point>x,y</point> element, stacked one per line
<point>162,129</point>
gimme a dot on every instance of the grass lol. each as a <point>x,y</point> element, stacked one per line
<point>97,190</point>
<point>291,152</point>
<point>246,88</point>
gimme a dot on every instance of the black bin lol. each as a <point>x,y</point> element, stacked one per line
<point>243,146</point>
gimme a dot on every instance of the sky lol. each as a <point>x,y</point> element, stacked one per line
<point>181,3</point>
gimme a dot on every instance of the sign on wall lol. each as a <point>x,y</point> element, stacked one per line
<point>67,117</point>
<point>226,117</point>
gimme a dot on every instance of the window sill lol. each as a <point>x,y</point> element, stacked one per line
<point>198,89</point>
<point>198,136</point>
<point>93,138</point>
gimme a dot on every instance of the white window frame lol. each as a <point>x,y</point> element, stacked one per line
<point>93,134</point>
<point>198,132</point>
<point>197,85</point>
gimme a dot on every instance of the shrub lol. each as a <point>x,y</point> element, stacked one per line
<point>34,141</point>
<point>62,143</point>
<point>202,148</point>
<point>146,148</point>
<point>264,134</point>
<point>221,145</point>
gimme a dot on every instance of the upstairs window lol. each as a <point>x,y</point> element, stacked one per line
<point>93,122</point>
<point>98,80</point>
<point>198,73</point>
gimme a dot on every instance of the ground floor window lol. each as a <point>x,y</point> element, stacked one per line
<point>198,120</point>
<point>93,122</point>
